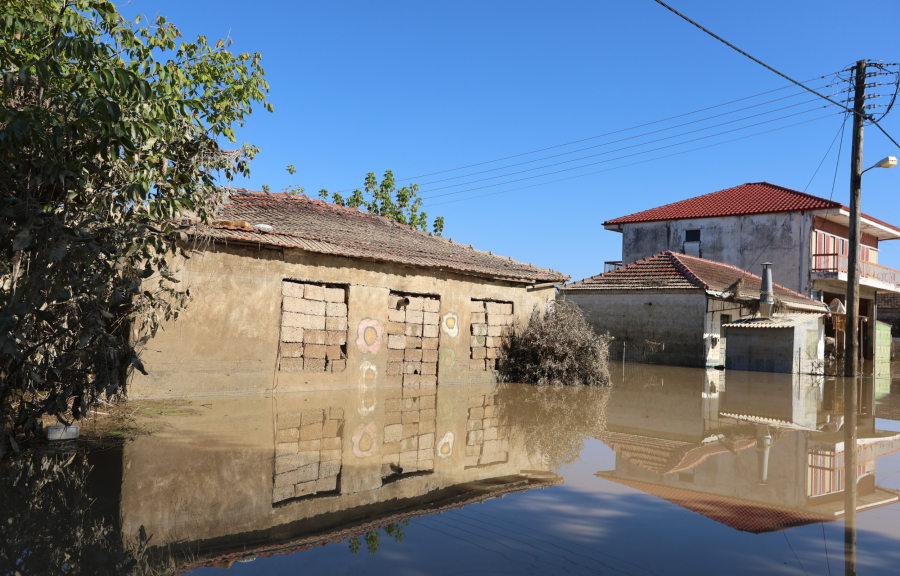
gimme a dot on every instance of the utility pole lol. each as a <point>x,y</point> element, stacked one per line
<point>851,342</point>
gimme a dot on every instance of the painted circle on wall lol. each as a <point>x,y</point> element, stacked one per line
<point>444,410</point>
<point>450,324</point>
<point>369,335</point>
<point>448,358</point>
<point>365,440</point>
<point>368,380</point>
<point>445,445</point>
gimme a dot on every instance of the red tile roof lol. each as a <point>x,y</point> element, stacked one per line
<point>750,198</point>
<point>740,514</point>
<point>670,271</point>
<point>662,456</point>
<point>316,226</point>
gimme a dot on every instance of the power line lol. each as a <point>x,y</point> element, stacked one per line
<point>632,164</point>
<point>763,64</point>
<point>839,132</point>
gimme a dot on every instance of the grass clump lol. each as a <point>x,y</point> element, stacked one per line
<point>557,346</point>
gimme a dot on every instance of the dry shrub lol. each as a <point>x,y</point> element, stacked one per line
<point>557,346</point>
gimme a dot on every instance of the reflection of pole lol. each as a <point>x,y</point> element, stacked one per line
<point>850,472</point>
<point>851,345</point>
<point>763,444</point>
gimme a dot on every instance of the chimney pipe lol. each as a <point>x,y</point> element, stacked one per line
<point>763,444</point>
<point>767,292</point>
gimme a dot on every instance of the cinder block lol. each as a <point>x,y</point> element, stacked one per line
<point>414,354</point>
<point>287,435</point>
<point>426,441</point>
<point>412,367</point>
<point>426,402</point>
<point>335,337</point>
<point>304,489</point>
<point>475,401</point>
<point>307,458</point>
<point>335,295</point>
<point>396,342</point>
<point>326,455</point>
<point>492,446</point>
<point>311,432</point>
<point>310,445</point>
<point>473,450</point>
<point>424,465</point>
<point>474,437</point>
<point>490,410</point>
<point>285,448</point>
<point>432,305</point>
<point>291,334</point>
<point>494,320</point>
<point>395,368</point>
<point>425,454</point>
<point>393,433</point>
<point>426,426</point>
<point>392,404</point>
<point>305,321</point>
<point>479,353</point>
<point>429,368</point>
<point>498,308</point>
<point>502,432</point>
<point>413,342</point>
<point>492,353</point>
<point>490,433</point>
<point>476,306</point>
<point>415,316</point>
<point>336,365</point>
<point>409,416</point>
<point>408,459</point>
<point>331,443</point>
<point>293,289</point>
<point>392,301</point>
<point>412,381</point>
<point>391,450</point>
<point>409,430</point>
<point>428,381</point>
<point>479,330</point>
<point>286,463</point>
<point>478,318</point>
<point>392,418</point>
<point>416,304</point>
<point>430,343</point>
<point>336,323</point>
<point>330,428</point>
<point>328,484</point>
<point>506,308</point>
<point>476,413</point>
<point>333,353</point>
<point>396,328</point>
<point>411,403</point>
<point>411,443</point>
<point>315,337</point>
<point>318,351</point>
<point>398,316</point>
<point>432,318</point>
<point>314,292</point>
<point>494,330</point>
<point>291,350</point>
<point>396,355</point>
<point>303,306</point>
<point>284,486</point>
<point>336,309</point>
<point>336,413</point>
<point>431,330</point>
<point>427,414</point>
<point>429,355</point>
<point>306,473</point>
<point>291,364</point>
<point>413,330</point>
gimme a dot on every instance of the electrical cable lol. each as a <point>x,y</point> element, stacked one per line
<point>730,45</point>
<point>824,541</point>
<point>840,132</point>
<point>784,532</point>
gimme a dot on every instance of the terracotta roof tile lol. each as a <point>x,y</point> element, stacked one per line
<point>670,271</point>
<point>316,226</point>
<point>750,198</point>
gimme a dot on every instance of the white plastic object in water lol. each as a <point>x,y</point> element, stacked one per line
<point>264,227</point>
<point>62,432</point>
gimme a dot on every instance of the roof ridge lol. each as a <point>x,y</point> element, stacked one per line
<point>792,191</point>
<point>692,277</point>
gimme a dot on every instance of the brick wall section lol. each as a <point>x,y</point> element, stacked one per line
<point>313,327</point>
<point>487,442</point>
<point>491,323</point>
<point>307,453</point>
<point>413,337</point>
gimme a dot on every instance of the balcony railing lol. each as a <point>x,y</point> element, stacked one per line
<point>839,263</point>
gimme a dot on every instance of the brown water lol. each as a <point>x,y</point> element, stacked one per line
<point>671,471</point>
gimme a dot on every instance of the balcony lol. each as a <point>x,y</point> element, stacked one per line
<point>835,266</point>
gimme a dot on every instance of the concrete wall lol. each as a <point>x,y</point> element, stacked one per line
<point>735,240</point>
<point>673,318</point>
<point>796,349</point>
<point>227,342</point>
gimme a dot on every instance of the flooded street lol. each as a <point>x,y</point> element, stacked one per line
<point>670,471</point>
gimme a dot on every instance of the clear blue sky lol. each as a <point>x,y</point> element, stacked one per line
<point>421,87</point>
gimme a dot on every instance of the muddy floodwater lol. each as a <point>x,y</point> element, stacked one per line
<point>669,471</point>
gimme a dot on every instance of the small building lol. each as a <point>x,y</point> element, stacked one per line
<point>670,308</point>
<point>791,344</point>
<point>290,293</point>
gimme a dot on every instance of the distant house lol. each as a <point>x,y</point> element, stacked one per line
<point>804,236</point>
<point>291,293</point>
<point>671,307</point>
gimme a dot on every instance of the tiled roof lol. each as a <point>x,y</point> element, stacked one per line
<point>670,271</point>
<point>662,456</point>
<point>889,301</point>
<point>744,515</point>
<point>750,198</point>
<point>316,226</point>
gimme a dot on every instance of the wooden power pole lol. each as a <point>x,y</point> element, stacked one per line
<point>851,342</point>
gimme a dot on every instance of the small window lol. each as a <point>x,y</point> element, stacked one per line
<point>691,235</point>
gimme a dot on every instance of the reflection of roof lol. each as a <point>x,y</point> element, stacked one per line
<point>744,515</point>
<point>670,271</point>
<point>321,227</point>
<point>466,493</point>
<point>774,322</point>
<point>664,456</point>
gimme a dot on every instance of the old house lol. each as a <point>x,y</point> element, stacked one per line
<point>291,293</point>
<point>804,236</point>
<point>671,307</point>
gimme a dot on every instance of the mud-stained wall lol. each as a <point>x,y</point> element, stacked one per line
<point>742,241</point>
<point>675,319</point>
<point>227,341</point>
<point>796,349</point>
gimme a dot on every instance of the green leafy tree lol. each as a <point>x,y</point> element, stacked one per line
<point>109,133</point>
<point>403,205</point>
<point>291,188</point>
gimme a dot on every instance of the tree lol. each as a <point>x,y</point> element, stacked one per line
<point>109,134</point>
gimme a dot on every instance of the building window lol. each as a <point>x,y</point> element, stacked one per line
<point>490,322</point>
<point>692,235</point>
<point>313,327</point>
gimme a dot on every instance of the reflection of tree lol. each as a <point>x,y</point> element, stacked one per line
<point>553,421</point>
<point>48,525</point>
<point>373,538</point>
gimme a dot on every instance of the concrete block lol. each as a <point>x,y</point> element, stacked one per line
<point>396,355</point>
<point>429,368</point>
<point>314,292</point>
<point>335,295</point>
<point>409,430</point>
<point>428,382</point>
<point>328,484</point>
<point>471,461</point>
<point>477,341</point>
<point>497,308</point>
<point>416,304</point>
<point>291,334</point>
<point>287,435</point>
<point>393,389</point>
<point>292,289</point>
<point>411,403</point>
<point>411,390</point>
<point>303,306</point>
<point>330,428</point>
<point>490,400</point>
<point>393,433</point>
<point>432,318</point>
<point>291,364</point>
<point>431,331</point>
<point>413,354</point>
<point>308,457</point>
<point>475,401</point>
<point>283,491</point>
<point>304,489</point>
<point>429,355</point>
<point>474,424</point>
<point>398,316</point>
<point>313,351</point>
<point>479,330</point>
<point>306,473</point>
<point>413,342</point>
<point>492,353</point>
<point>478,318</point>
<point>396,342</point>
<point>311,432</point>
<point>490,433</point>
<point>310,445</point>
<point>492,446</point>
<point>474,437</point>
<point>409,416</point>
<point>336,366</point>
<point>336,323</point>
<point>335,337</point>
<point>473,450</point>
<point>476,413</point>
<point>502,432</point>
<point>413,330</point>
<point>476,306</point>
<point>432,305</point>
<point>426,402</point>
<point>333,443</point>
<point>395,368</point>
<point>291,350</point>
<point>408,459</point>
<point>411,443</point>
<point>426,441</point>
<point>426,426</point>
<point>429,343</point>
<point>393,299</point>
<point>396,328</point>
<point>318,337</point>
<point>336,413</point>
<point>286,463</point>
<point>490,410</point>
<point>476,365</point>
<point>334,353</point>
<point>326,455</point>
<point>392,418</point>
<point>479,353</point>
<point>414,316</point>
<point>391,452</point>
<point>285,448</point>
<point>425,454</point>
<point>336,309</point>
<point>305,321</point>
<point>427,414</point>
<point>494,330</point>
<point>393,404</point>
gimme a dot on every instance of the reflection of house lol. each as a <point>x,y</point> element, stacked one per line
<point>752,451</point>
<point>295,293</point>
<point>677,304</point>
<point>804,236</point>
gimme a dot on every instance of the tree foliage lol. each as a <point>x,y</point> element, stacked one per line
<point>109,132</point>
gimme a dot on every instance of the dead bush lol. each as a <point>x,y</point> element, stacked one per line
<point>557,346</point>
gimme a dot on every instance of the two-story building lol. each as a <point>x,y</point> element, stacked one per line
<point>804,236</point>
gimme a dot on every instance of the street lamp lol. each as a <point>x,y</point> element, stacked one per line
<point>888,162</point>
